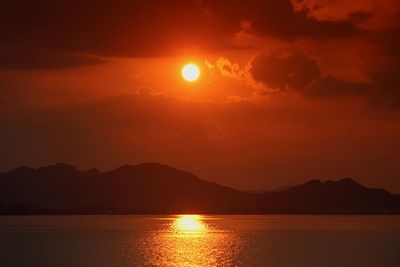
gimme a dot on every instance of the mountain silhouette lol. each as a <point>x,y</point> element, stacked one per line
<point>155,188</point>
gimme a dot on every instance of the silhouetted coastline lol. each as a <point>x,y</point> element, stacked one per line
<point>153,188</point>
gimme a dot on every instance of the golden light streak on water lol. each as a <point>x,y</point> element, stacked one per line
<point>190,241</point>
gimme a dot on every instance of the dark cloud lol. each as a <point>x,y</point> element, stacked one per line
<point>297,72</point>
<point>385,74</point>
<point>144,28</point>
<point>288,72</point>
<point>110,28</point>
<point>15,58</point>
<point>330,86</point>
<point>278,18</point>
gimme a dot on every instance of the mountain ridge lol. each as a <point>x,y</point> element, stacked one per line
<point>156,188</point>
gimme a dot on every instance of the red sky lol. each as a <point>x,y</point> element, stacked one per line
<point>289,91</point>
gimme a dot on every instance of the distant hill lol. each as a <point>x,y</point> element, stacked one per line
<point>155,188</point>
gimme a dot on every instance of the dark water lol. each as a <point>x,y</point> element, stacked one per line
<point>199,240</point>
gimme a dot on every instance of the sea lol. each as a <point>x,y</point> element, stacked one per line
<point>199,240</point>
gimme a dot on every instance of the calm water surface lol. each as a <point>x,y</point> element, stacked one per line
<point>196,240</point>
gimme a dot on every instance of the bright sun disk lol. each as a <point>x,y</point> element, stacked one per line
<point>190,72</point>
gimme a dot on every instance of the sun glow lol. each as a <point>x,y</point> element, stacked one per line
<point>189,223</point>
<point>190,72</point>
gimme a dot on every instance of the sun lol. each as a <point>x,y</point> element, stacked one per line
<point>190,72</point>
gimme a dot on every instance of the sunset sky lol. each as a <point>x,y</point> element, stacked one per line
<point>288,91</point>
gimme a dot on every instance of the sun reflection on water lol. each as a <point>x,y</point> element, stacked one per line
<point>189,224</point>
<point>191,240</point>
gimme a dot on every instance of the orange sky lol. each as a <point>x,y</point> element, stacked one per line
<point>289,91</point>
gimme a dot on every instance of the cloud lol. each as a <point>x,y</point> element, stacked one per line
<point>233,70</point>
<point>118,28</point>
<point>384,72</point>
<point>367,14</point>
<point>278,18</point>
<point>299,73</point>
<point>287,72</point>
<point>14,58</point>
<point>330,86</point>
<point>48,34</point>
<point>125,28</point>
